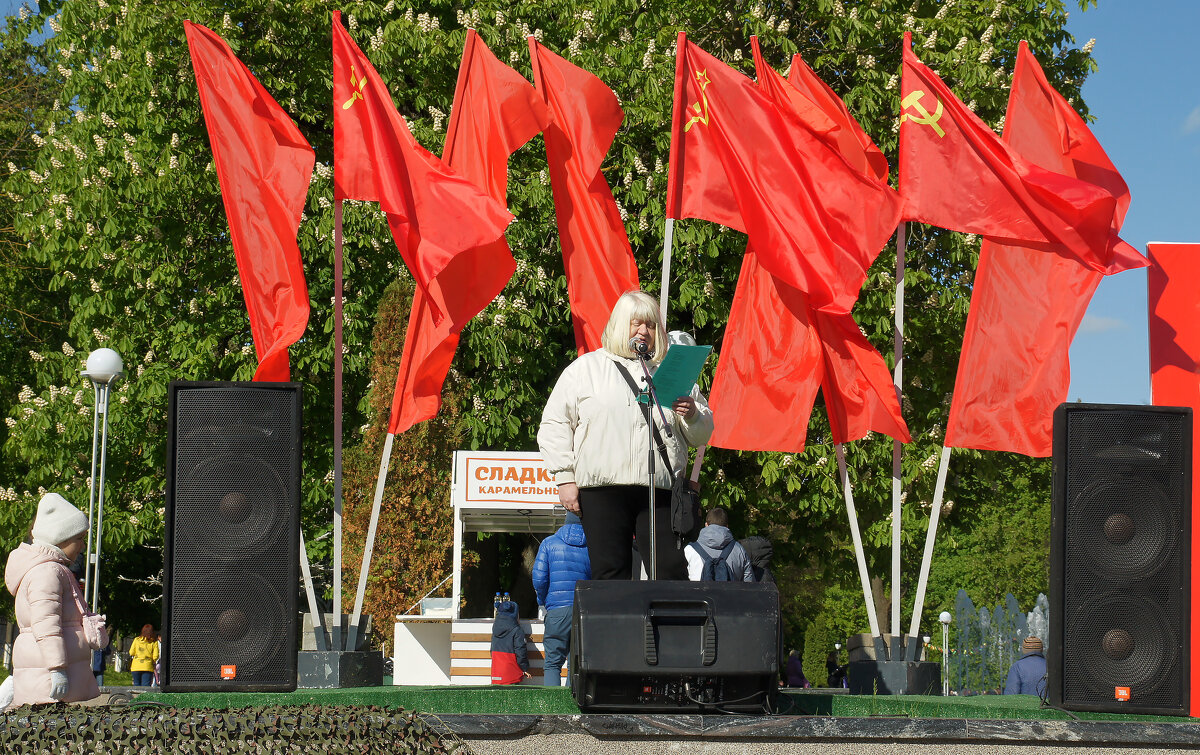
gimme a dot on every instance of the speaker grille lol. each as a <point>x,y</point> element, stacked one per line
<point>233,550</point>
<point>1120,557</point>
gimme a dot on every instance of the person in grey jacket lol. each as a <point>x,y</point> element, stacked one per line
<point>595,441</point>
<point>714,539</point>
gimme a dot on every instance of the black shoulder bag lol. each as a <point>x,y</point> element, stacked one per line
<point>685,502</point>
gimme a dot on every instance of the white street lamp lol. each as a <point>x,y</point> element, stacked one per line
<point>944,618</point>
<point>104,367</point>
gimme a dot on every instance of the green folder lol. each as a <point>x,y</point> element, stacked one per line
<point>678,372</point>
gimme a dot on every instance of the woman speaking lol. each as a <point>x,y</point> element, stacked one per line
<point>594,439</point>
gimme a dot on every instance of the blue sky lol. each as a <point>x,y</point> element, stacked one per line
<point>1146,101</point>
<point>1145,98</point>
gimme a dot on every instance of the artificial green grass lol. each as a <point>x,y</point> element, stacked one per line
<point>504,700</point>
<point>488,700</point>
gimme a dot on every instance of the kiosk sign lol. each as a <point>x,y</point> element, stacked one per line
<point>500,479</point>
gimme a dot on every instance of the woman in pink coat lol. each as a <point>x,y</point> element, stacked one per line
<point>51,659</point>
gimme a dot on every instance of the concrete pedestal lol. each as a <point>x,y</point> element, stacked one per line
<point>894,678</point>
<point>335,670</point>
<point>308,638</point>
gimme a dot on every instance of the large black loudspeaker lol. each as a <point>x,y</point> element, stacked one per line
<point>674,645</point>
<point>232,537</point>
<point>1120,559</point>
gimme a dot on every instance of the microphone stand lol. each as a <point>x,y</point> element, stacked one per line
<point>652,397</point>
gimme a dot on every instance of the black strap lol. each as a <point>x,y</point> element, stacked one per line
<point>650,420</point>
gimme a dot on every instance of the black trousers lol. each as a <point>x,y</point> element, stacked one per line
<point>613,515</point>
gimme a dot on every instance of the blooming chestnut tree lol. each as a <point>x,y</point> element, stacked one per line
<point>119,207</point>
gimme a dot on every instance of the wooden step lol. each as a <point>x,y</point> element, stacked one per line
<point>457,637</point>
<point>486,654</point>
<point>487,671</point>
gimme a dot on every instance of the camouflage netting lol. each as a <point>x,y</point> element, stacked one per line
<point>146,730</point>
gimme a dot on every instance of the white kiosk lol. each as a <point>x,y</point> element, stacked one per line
<point>491,491</point>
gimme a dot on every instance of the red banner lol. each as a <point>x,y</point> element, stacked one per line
<point>1174,320</point>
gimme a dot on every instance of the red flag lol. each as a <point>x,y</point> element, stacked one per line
<point>495,111</point>
<point>955,173</point>
<point>434,213</point>
<point>860,396</point>
<point>264,166</point>
<point>770,365</point>
<point>777,349</point>
<point>1026,304</point>
<point>850,139</point>
<point>1053,136</point>
<point>596,254</point>
<point>739,160</point>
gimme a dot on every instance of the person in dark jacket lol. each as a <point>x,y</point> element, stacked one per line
<point>100,661</point>
<point>562,560</point>
<point>1028,674</point>
<point>510,659</point>
<point>759,550</point>
<point>795,671</point>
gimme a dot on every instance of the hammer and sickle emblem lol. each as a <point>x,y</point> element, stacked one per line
<point>357,95</point>
<point>925,118</point>
<point>700,108</point>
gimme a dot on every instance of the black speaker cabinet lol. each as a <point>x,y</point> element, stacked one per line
<point>232,537</point>
<point>1120,559</point>
<point>674,645</point>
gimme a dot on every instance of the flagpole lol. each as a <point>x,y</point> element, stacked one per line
<point>352,639</point>
<point>897,446</point>
<point>927,559</point>
<point>674,170</point>
<point>668,237</point>
<point>317,619</point>
<point>336,634</point>
<point>859,554</point>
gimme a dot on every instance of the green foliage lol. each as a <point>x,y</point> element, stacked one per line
<point>120,215</point>
<point>842,614</point>
<point>411,553</point>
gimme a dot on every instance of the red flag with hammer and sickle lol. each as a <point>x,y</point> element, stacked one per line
<point>956,173</point>
<point>434,213</point>
<point>1026,305</point>
<point>737,158</point>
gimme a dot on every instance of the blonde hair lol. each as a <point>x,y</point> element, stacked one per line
<point>634,305</point>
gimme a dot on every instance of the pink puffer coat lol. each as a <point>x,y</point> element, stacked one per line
<point>51,627</point>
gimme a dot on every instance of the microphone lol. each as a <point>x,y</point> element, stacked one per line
<point>639,347</point>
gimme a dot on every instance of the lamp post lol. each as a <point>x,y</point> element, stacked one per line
<point>944,618</point>
<point>104,367</point>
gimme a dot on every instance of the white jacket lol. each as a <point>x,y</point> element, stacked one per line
<point>593,431</point>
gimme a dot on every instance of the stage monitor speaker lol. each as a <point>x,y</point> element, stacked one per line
<point>232,537</point>
<point>674,645</point>
<point>1120,559</point>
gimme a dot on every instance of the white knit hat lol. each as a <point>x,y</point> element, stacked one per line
<point>57,520</point>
